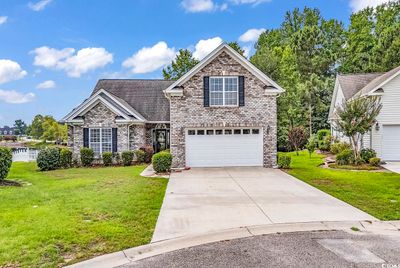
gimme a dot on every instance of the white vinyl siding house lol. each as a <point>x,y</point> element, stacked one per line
<point>384,136</point>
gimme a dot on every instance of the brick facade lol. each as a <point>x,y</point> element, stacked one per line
<point>189,111</point>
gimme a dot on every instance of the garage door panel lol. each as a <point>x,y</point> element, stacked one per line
<point>224,150</point>
<point>391,143</point>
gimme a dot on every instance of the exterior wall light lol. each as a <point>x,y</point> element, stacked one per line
<point>377,126</point>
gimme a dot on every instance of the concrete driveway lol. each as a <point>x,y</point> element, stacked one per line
<point>208,199</point>
<point>393,166</point>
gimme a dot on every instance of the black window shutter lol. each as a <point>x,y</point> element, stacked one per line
<point>206,82</point>
<point>114,140</point>
<point>241,90</point>
<point>86,137</point>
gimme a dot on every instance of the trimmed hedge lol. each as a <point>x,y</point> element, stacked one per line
<point>162,161</point>
<point>65,158</point>
<point>374,161</point>
<point>107,158</point>
<point>127,158</point>
<point>284,161</point>
<point>140,155</point>
<point>5,162</point>
<point>48,159</point>
<point>148,149</point>
<point>87,156</point>
<point>366,154</point>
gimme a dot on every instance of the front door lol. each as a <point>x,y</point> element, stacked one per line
<point>160,140</point>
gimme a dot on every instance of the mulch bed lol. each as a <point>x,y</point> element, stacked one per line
<point>6,183</point>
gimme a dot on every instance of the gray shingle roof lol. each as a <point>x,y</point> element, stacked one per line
<point>145,96</point>
<point>353,83</point>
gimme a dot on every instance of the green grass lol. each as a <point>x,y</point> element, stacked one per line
<point>377,193</point>
<point>350,167</point>
<point>66,216</point>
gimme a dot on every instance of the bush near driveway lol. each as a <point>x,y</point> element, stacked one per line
<point>366,154</point>
<point>48,159</point>
<point>127,158</point>
<point>148,149</point>
<point>69,215</point>
<point>5,162</point>
<point>376,193</point>
<point>140,156</point>
<point>284,161</point>
<point>374,161</point>
<point>162,161</point>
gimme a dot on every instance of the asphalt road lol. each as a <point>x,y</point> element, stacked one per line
<point>302,249</point>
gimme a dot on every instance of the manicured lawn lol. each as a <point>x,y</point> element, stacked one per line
<point>65,216</point>
<point>377,193</point>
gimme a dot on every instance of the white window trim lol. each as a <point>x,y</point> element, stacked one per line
<point>223,91</point>
<point>101,139</point>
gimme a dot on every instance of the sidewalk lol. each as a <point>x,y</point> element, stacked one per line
<point>134,254</point>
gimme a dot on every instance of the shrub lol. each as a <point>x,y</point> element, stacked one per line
<point>107,158</point>
<point>48,159</point>
<point>322,134</point>
<point>311,145</point>
<point>5,162</point>
<point>345,157</point>
<point>162,161</point>
<point>374,161</point>
<point>65,158</point>
<point>87,156</point>
<point>297,138</point>
<point>148,149</point>
<point>284,161</point>
<point>339,147</point>
<point>140,156</point>
<point>324,138</point>
<point>117,158</point>
<point>366,154</point>
<point>127,157</point>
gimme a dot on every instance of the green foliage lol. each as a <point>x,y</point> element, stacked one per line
<point>127,158</point>
<point>339,147</point>
<point>20,127</point>
<point>5,162</point>
<point>140,156</point>
<point>48,159</point>
<point>297,138</point>
<point>235,45</point>
<point>53,131</point>
<point>148,149</point>
<point>87,156</point>
<point>345,157</point>
<point>284,161</point>
<point>65,158</point>
<point>162,161</point>
<point>311,145</point>
<point>322,133</point>
<point>107,158</point>
<point>36,128</point>
<point>356,117</point>
<point>374,161</point>
<point>366,154</point>
<point>183,62</point>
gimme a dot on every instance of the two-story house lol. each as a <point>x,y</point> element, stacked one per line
<point>223,112</point>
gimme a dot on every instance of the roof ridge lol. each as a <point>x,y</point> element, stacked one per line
<point>339,74</point>
<point>136,79</point>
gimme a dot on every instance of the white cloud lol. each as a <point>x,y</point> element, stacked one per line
<point>357,5</point>
<point>247,50</point>
<point>204,47</point>
<point>38,6</point>
<point>149,59</point>
<point>3,19</point>
<point>15,97</point>
<point>10,71</point>
<point>251,35</point>
<point>195,6</point>
<point>46,84</point>
<point>85,60</point>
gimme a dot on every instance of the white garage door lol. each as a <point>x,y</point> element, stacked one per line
<point>224,147</point>
<point>391,143</point>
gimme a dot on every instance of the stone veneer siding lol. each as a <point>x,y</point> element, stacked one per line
<point>188,111</point>
<point>100,116</point>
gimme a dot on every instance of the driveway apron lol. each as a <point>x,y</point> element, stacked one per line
<point>202,200</point>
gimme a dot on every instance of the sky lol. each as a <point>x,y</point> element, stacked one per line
<point>52,52</point>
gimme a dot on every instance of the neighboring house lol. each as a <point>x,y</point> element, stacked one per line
<point>384,136</point>
<point>220,113</point>
<point>6,130</point>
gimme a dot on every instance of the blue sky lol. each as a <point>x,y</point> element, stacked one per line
<point>52,52</point>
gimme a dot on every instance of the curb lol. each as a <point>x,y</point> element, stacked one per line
<point>141,252</point>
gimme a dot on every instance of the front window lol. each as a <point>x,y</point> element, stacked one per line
<point>223,91</point>
<point>100,140</point>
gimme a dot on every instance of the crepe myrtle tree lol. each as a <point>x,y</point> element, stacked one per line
<point>356,117</point>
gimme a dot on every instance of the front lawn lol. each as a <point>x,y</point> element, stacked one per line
<point>377,193</point>
<point>65,216</point>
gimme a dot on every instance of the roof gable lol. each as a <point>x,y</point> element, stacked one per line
<point>353,83</point>
<point>236,56</point>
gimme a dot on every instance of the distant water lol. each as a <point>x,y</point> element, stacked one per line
<point>24,154</point>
